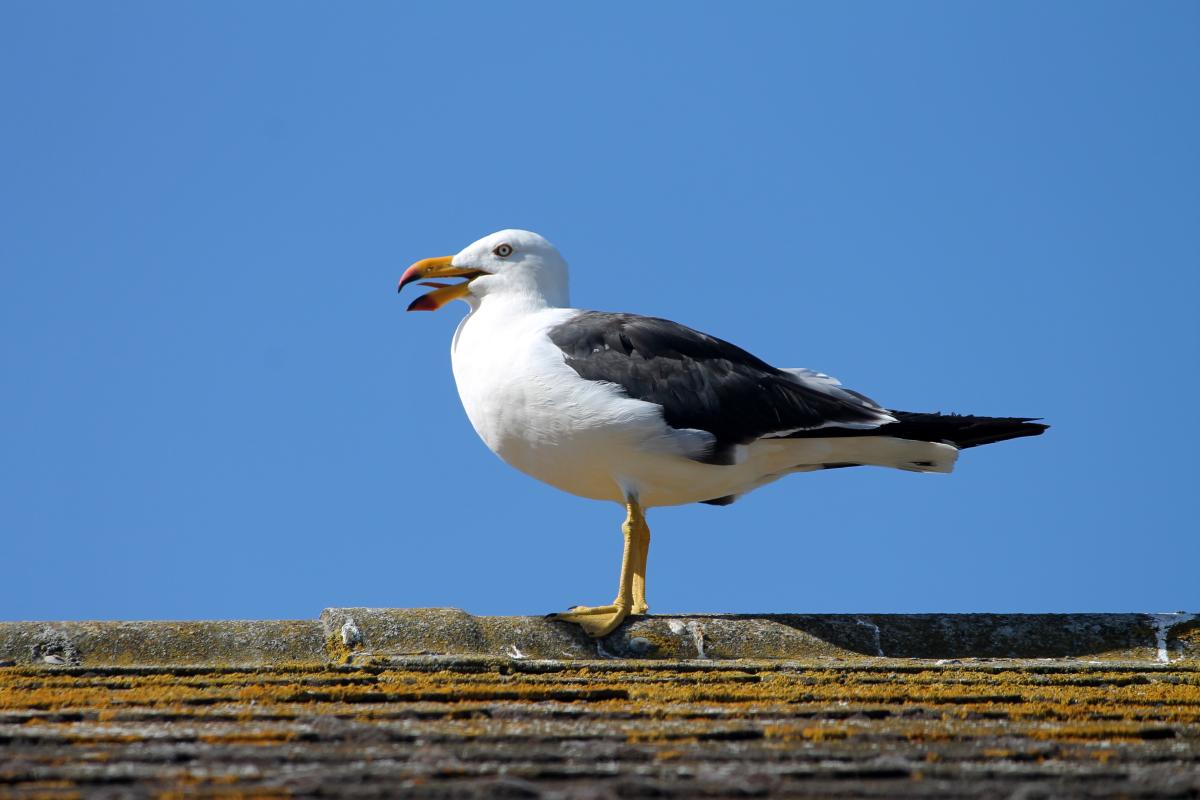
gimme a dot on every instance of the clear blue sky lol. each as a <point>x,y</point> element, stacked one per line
<point>214,405</point>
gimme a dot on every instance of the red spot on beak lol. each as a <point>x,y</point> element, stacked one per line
<point>424,303</point>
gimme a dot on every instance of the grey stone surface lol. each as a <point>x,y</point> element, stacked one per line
<point>1125,637</point>
<point>217,643</point>
<point>350,635</point>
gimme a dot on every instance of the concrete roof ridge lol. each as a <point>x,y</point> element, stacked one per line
<point>357,635</point>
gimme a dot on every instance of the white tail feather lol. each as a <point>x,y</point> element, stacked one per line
<point>881,451</point>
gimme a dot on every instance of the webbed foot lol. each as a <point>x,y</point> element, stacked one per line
<point>596,621</point>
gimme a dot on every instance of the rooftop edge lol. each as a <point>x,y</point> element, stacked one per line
<point>360,635</point>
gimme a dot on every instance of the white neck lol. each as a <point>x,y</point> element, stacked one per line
<point>520,291</point>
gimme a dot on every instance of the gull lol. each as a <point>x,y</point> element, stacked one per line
<point>646,412</point>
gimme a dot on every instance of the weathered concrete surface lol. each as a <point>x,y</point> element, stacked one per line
<point>354,635</point>
<point>477,727</point>
<point>1126,637</point>
<point>436,703</point>
<point>174,643</point>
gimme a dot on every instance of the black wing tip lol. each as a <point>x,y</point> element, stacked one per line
<point>967,419</point>
<point>963,430</point>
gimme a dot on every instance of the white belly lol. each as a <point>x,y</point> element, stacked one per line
<point>535,412</point>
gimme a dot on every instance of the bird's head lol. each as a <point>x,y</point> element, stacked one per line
<point>512,263</point>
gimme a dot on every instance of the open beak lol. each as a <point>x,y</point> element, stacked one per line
<point>443,292</point>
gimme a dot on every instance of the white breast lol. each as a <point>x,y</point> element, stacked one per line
<point>536,413</point>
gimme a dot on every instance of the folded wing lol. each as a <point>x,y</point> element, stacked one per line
<point>704,383</point>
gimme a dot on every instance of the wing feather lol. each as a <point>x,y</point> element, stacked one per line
<point>705,383</point>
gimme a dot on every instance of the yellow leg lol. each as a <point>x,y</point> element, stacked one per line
<point>631,592</point>
<point>642,549</point>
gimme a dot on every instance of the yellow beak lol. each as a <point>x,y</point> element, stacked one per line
<point>443,293</point>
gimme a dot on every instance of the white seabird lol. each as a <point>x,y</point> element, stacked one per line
<point>646,412</point>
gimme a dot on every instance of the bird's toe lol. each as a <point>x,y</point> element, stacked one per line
<point>596,621</point>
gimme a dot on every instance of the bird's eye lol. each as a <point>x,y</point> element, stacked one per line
<point>503,250</point>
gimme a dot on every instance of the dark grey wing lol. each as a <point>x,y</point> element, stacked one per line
<point>705,383</point>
